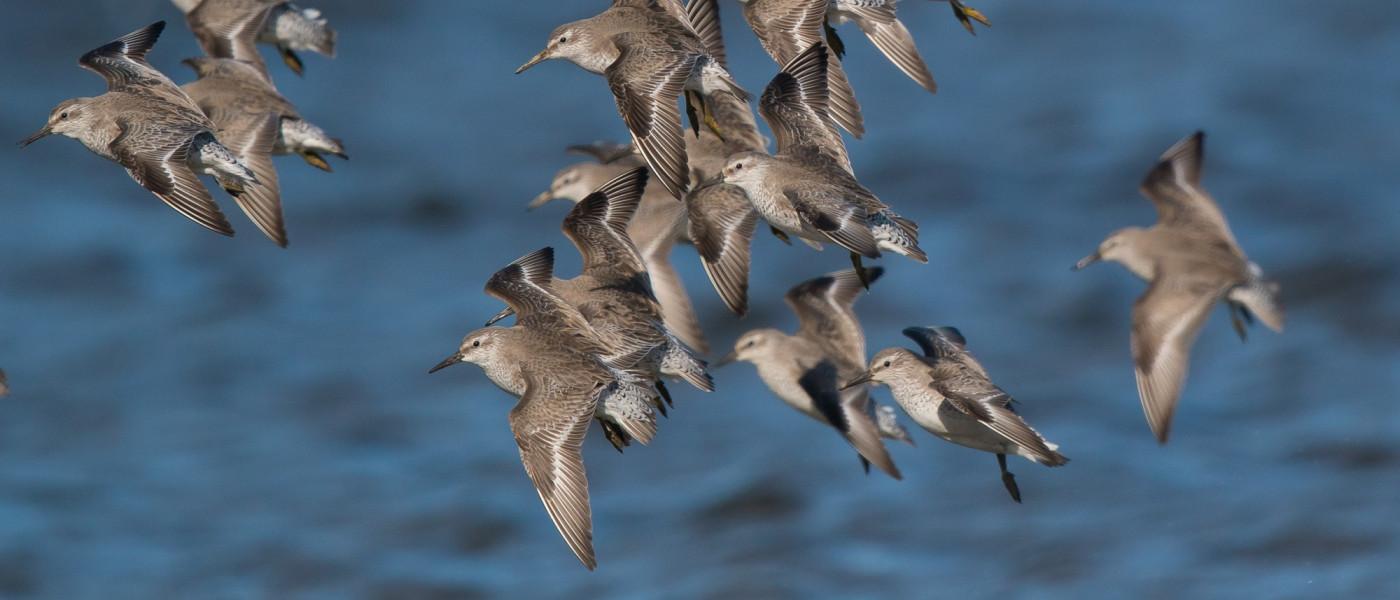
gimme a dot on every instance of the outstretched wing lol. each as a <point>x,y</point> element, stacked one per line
<point>122,62</point>
<point>229,29</point>
<point>160,164</point>
<point>647,82</point>
<point>885,30</point>
<point>1174,187</point>
<point>252,136</point>
<point>1166,320</point>
<point>849,413</point>
<point>795,106</point>
<point>786,28</point>
<point>826,315</point>
<point>722,222</point>
<point>549,425</point>
<point>598,225</point>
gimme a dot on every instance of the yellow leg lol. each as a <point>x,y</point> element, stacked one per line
<point>293,61</point>
<point>710,121</point>
<point>966,15</point>
<point>861,273</point>
<point>691,114</point>
<point>315,160</point>
<point>780,235</point>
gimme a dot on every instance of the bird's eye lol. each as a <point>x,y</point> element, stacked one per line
<point>887,363</point>
<point>738,166</point>
<point>750,344</point>
<point>563,39</point>
<point>63,115</point>
<point>476,344</point>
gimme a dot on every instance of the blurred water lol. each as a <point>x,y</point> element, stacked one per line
<point>200,417</point>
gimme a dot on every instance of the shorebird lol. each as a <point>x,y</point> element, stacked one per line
<point>625,414</point>
<point>948,393</point>
<point>877,19</point>
<point>650,55</point>
<point>287,26</point>
<point>807,189</point>
<point>806,370</point>
<point>657,226</point>
<point>1191,260</point>
<point>613,293</point>
<point>719,217</point>
<point>225,82</point>
<point>150,126</point>
<point>786,28</point>
<point>545,359</point>
<point>229,30</point>
<point>242,106</point>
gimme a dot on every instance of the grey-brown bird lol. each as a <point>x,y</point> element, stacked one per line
<point>613,293</point>
<point>287,27</point>
<point>229,30</point>
<point>785,28</point>
<point>805,190</point>
<point>807,370</point>
<point>1191,261</point>
<point>656,228</point>
<point>548,360</point>
<point>949,394</point>
<point>879,21</point>
<point>650,55</point>
<point>149,126</point>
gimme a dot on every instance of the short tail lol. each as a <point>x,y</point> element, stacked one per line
<point>213,158</point>
<point>897,234</point>
<point>628,406</point>
<point>680,362</point>
<point>890,428</point>
<point>1260,297</point>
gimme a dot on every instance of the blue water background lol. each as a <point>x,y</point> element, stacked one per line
<point>195,416</point>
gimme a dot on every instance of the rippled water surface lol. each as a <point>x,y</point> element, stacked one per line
<point>194,416</point>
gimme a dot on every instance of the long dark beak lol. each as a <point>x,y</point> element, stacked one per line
<point>539,58</point>
<point>861,379</point>
<point>446,362</point>
<point>1086,261</point>
<point>38,135</point>
<point>540,200</point>
<point>726,359</point>
<point>716,180</point>
<point>508,311</point>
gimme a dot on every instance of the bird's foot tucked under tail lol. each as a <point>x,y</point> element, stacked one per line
<point>1008,480</point>
<point>966,15</point>
<point>861,271</point>
<point>314,159</point>
<point>691,114</point>
<point>293,61</point>
<point>616,436</point>
<point>780,234</point>
<point>1241,319</point>
<point>865,464</point>
<point>665,395</point>
<point>833,39</point>
<point>710,122</point>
